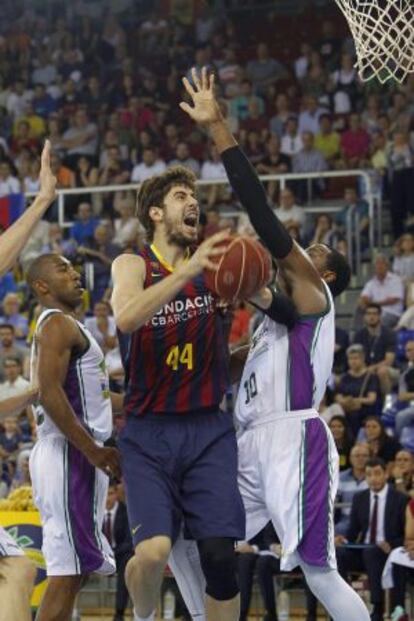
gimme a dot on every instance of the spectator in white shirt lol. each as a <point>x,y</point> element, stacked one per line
<point>310,115</point>
<point>18,99</point>
<point>102,326</point>
<point>291,140</point>
<point>8,183</point>
<point>127,226</point>
<point>288,212</point>
<point>82,137</point>
<point>183,158</point>
<point>149,166</point>
<point>385,289</point>
<point>211,169</point>
<point>14,382</point>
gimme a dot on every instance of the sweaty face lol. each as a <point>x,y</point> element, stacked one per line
<point>62,282</point>
<point>181,216</point>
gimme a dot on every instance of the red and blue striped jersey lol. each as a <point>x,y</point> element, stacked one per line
<point>177,362</point>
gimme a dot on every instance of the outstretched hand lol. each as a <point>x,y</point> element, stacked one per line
<point>47,179</point>
<point>205,109</point>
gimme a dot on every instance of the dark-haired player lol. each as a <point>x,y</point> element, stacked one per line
<point>288,463</point>
<point>179,453</point>
<point>69,465</point>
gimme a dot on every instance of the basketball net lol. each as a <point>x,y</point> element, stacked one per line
<point>383,31</point>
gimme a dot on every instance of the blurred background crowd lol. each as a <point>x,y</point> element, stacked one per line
<point>102,80</point>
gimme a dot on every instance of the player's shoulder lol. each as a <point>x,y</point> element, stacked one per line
<point>57,325</point>
<point>129,262</point>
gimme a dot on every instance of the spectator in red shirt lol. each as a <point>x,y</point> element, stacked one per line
<point>136,115</point>
<point>354,143</point>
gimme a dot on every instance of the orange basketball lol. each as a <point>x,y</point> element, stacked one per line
<point>243,269</point>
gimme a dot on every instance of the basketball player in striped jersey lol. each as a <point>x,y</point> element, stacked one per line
<point>17,572</point>
<point>179,452</point>
<point>288,463</point>
<point>69,465</point>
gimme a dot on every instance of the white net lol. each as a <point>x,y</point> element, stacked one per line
<point>383,31</point>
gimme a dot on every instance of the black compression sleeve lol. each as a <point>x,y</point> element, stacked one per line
<point>247,186</point>
<point>282,309</point>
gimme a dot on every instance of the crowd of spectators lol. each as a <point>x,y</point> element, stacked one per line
<point>106,93</point>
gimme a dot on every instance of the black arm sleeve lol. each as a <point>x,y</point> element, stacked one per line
<point>282,309</point>
<point>247,186</point>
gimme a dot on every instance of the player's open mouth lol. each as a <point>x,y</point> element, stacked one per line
<point>191,221</point>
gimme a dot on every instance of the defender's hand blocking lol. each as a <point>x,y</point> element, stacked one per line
<point>205,108</point>
<point>47,179</point>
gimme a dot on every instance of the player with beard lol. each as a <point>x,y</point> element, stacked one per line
<point>178,451</point>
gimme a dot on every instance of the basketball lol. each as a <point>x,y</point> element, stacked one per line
<point>243,269</point>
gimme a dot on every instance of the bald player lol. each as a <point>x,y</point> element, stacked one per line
<point>69,465</point>
<point>17,572</point>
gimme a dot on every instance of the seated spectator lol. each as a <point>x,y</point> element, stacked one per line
<point>149,166</point>
<point>291,140</point>
<point>406,321</point>
<point>403,472</point>
<point>403,263</point>
<point>401,573</point>
<point>56,243</point>
<point>345,78</point>
<point>377,523</point>
<point>283,113</point>
<point>102,326</point>
<point>31,182</point>
<point>253,147</point>
<point>83,230</point>
<point>212,225</point>
<point>249,559</point>
<point>288,212</point>
<point>100,252</point>
<point>116,171</point>
<point>86,174</point>
<point>229,71</point>
<point>351,481</point>
<point>308,160</point>
<point>360,207</point>
<point>310,115</point>
<point>9,349</point>
<point>327,141</point>
<point>357,391</point>
<point>379,346</point>
<point>314,82</point>
<point>400,162</point>
<point>255,120</point>
<point>10,439</point>
<point>12,316</point>
<point>23,139</point>
<point>386,290</point>
<point>343,439</point>
<point>127,226</point>
<point>340,364</point>
<point>239,105</point>
<point>43,103</point>
<point>64,175</point>
<point>405,416</point>
<point>81,138</point>
<point>380,443</point>
<point>22,475</point>
<point>355,143</point>
<point>264,70</point>
<point>324,232</point>
<point>183,158</point>
<point>9,184</point>
<point>213,169</point>
<point>329,45</point>
<point>14,383</point>
<point>36,122</point>
<point>7,285</point>
<point>273,163</point>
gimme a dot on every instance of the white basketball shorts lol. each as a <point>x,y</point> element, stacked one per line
<point>70,495</point>
<point>288,473</point>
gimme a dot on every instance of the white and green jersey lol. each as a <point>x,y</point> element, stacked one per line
<point>86,387</point>
<point>285,370</point>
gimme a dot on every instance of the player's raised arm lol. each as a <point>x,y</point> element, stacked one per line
<point>16,237</point>
<point>300,278</point>
<point>56,340</point>
<point>134,305</point>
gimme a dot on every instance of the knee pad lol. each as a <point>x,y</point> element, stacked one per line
<point>218,561</point>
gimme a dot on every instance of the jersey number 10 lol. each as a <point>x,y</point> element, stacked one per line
<point>177,356</point>
<point>250,387</point>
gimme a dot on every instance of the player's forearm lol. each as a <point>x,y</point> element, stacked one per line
<point>140,307</point>
<point>15,238</point>
<point>54,401</point>
<point>117,402</point>
<point>14,405</point>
